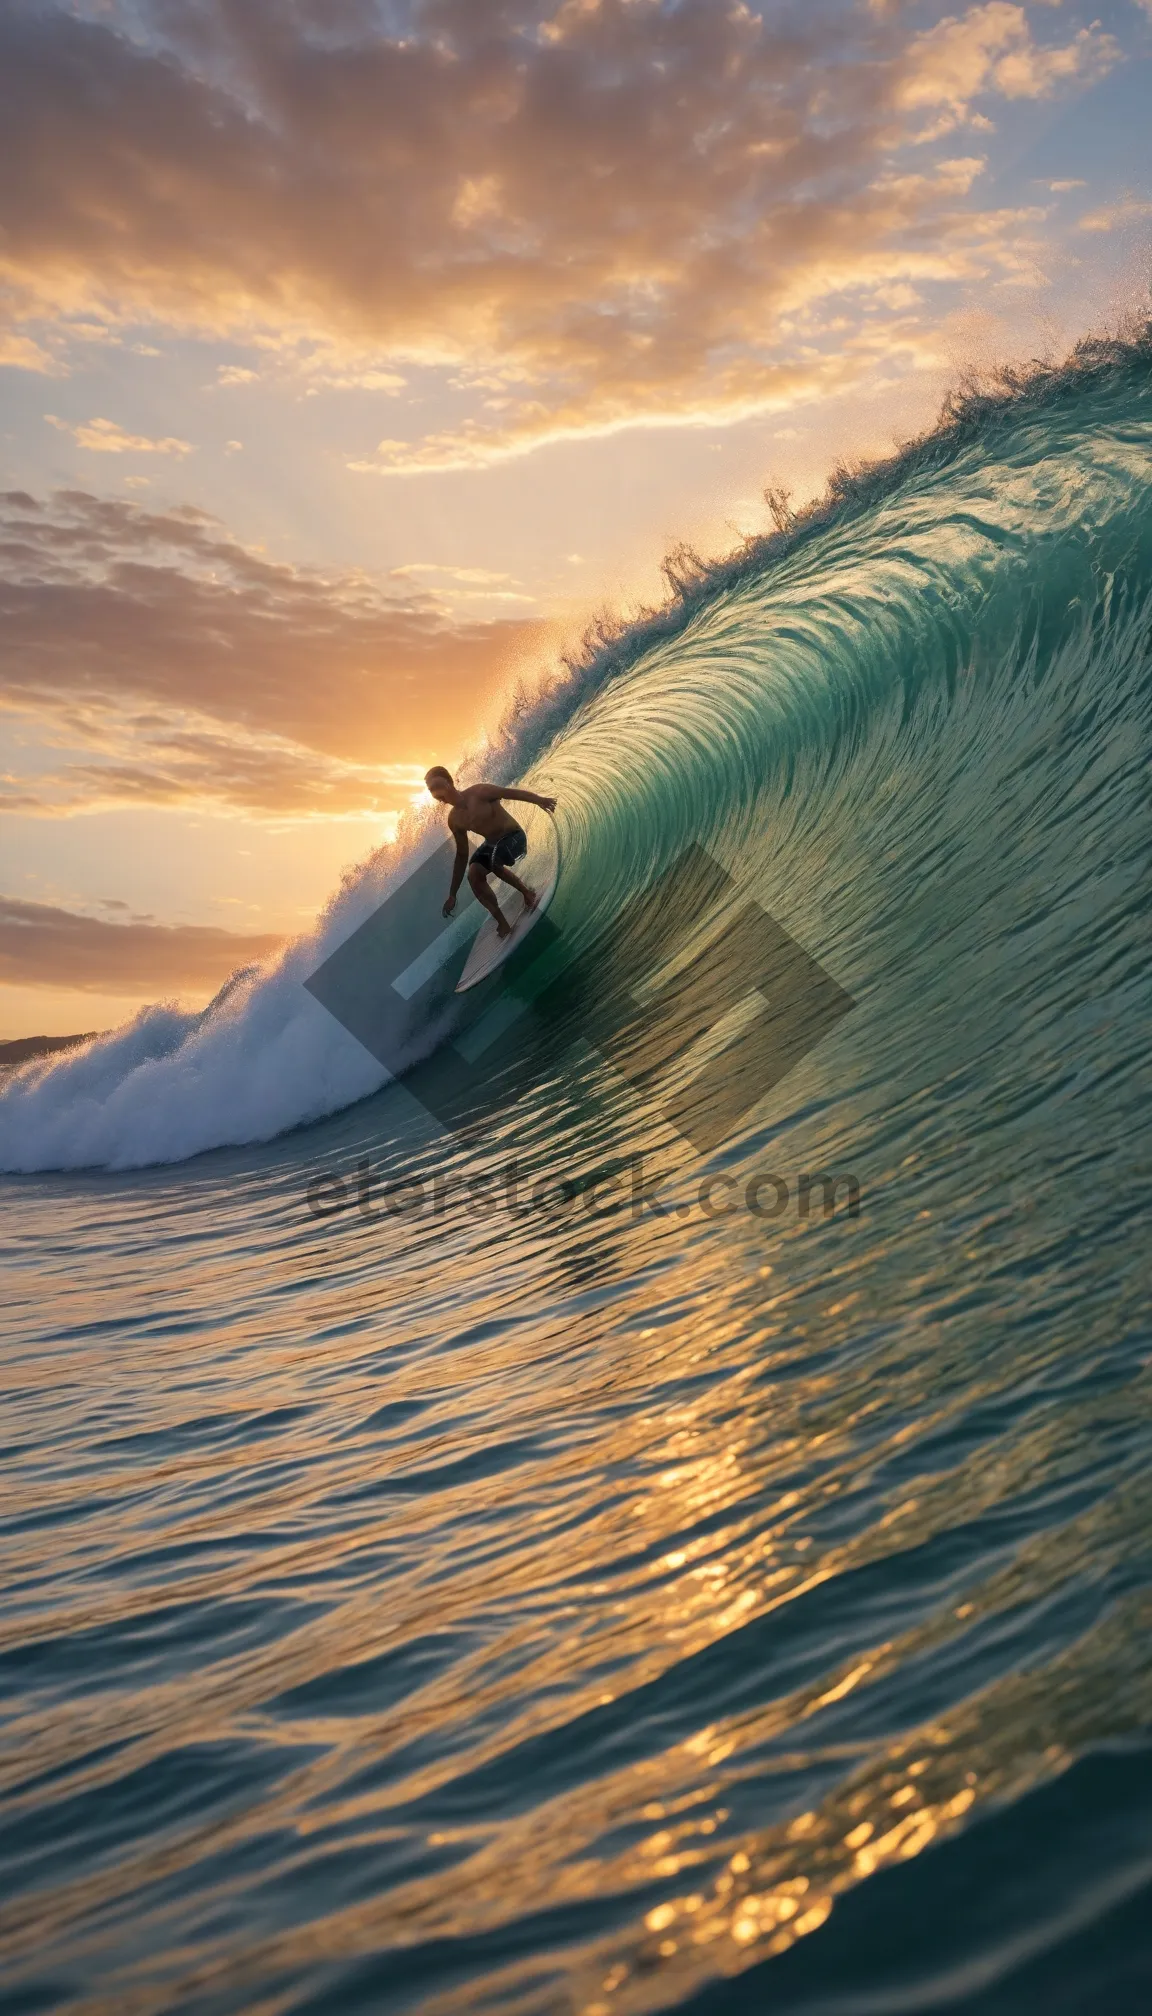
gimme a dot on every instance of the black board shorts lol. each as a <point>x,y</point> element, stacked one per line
<point>503,852</point>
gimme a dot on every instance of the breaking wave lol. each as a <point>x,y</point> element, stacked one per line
<point>953,642</point>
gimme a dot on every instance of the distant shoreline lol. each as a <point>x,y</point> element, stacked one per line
<point>21,1048</point>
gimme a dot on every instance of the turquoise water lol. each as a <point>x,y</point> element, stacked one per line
<point>563,1599</point>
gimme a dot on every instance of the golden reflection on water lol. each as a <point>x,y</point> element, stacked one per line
<point>590,1462</point>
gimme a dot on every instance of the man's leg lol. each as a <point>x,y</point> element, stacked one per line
<point>530,897</point>
<point>478,883</point>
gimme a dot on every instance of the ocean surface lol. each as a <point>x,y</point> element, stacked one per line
<point>503,1533</point>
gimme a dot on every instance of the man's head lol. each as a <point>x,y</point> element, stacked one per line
<point>439,782</point>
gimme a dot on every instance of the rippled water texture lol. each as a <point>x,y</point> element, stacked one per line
<point>553,1608</point>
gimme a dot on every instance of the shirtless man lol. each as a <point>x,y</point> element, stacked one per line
<point>478,809</point>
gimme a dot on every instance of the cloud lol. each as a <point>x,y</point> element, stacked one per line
<point>464,584</point>
<point>1132,210</point>
<point>476,577</point>
<point>991,49</point>
<point>177,665</point>
<point>41,945</point>
<point>105,437</point>
<point>169,761</point>
<point>23,353</point>
<point>594,216</point>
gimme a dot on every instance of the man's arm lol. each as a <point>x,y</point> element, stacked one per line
<point>526,797</point>
<point>458,868</point>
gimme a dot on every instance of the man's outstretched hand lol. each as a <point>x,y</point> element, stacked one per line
<point>549,804</point>
<point>449,906</point>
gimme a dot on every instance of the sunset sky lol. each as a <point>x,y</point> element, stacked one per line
<point>355,352</point>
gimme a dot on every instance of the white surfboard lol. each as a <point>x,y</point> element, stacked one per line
<point>540,869</point>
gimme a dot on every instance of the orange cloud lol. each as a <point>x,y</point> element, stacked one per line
<point>185,667</point>
<point>105,437</point>
<point>595,215</point>
<point>991,49</point>
<point>23,353</point>
<point>43,945</point>
<point>1130,211</point>
<point>146,760</point>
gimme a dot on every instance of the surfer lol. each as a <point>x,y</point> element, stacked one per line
<point>479,809</point>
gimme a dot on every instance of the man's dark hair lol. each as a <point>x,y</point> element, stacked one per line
<point>437,770</point>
